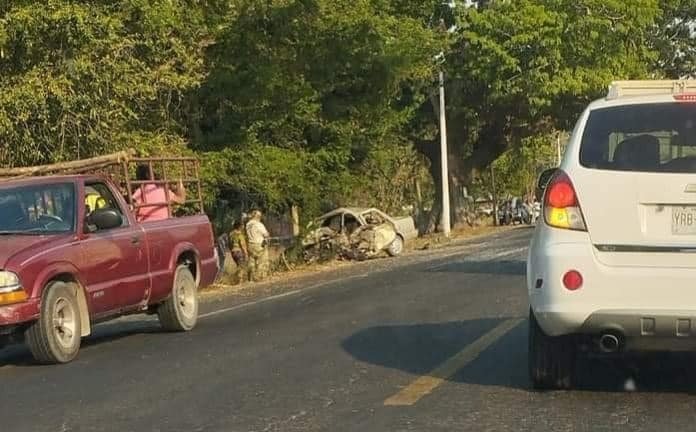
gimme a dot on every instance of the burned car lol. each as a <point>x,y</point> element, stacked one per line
<point>358,233</point>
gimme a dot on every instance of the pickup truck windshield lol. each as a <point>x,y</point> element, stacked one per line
<point>37,209</point>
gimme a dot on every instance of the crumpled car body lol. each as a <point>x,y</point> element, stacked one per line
<point>356,233</point>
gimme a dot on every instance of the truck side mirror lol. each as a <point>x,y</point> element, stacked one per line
<point>543,181</point>
<point>105,219</point>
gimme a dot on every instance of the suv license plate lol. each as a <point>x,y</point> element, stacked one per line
<point>684,220</point>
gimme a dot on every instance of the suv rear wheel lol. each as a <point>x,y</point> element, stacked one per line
<point>551,359</point>
<point>55,337</point>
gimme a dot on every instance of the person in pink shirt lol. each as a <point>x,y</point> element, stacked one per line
<point>155,194</point>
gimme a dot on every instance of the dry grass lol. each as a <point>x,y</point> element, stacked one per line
<point>435,240</point>
<point>230,283</point>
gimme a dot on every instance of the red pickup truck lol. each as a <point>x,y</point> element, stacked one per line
<point>65,266</point>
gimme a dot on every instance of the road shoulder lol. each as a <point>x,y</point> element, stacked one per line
<point>283,284</point>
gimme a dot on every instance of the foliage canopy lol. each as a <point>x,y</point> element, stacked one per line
<point>319,102</point>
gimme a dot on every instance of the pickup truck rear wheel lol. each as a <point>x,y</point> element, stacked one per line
<point>180,311</point>
<point>55,337</point>
<point>551,359</point>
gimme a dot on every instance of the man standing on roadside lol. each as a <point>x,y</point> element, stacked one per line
<point>257,237</point>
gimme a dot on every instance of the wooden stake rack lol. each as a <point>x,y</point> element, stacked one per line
<point>120,168</point>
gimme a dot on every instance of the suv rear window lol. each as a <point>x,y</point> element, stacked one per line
<point>648,138</point>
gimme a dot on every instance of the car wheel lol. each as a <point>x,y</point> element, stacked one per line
<point>56,336</point>
<point>180,311</point>
<point>396,247</point>
<point>551,359</point>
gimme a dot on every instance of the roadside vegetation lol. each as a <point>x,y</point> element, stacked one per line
<point>321,103</point>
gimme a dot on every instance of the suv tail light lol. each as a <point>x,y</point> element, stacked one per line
<point>561,205</point>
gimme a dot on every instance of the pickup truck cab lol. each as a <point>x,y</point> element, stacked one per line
<point>69,260</point>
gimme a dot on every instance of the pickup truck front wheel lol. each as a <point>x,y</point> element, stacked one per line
<point>55,337</point>
<point>180,311</point>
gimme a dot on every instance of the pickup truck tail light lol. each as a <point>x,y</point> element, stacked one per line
<point>561,204</point>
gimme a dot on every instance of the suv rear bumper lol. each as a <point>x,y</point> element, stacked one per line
<point>633,323</point>
<point>637,302</point>
<point>637,330</point>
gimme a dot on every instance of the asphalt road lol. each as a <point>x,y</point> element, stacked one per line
<point>435,341</point>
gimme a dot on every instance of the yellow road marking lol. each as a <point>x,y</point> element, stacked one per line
<point>427,383</point>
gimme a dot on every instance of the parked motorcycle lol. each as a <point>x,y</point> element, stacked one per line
<point>505,215</point>
<point>522,215</point>
<point>515,211</point>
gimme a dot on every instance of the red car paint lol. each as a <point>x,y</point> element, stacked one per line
<point>123,270</point>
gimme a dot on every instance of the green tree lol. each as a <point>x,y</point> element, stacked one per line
<point>319,102</point>
<point>84,78</point>
<point>395,178</point>
<point>316,81</point>
<point>518,168</point>
<point>674,39</point>
<point>519,69</point>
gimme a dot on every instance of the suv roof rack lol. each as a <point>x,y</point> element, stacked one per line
<point>622,89</point>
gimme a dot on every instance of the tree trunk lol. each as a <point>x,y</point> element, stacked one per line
<point>460,178</point>
<point>432,220</point>
<point>465,161</point>
<point>295,216</point>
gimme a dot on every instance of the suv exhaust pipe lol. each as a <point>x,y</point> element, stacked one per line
<point>609,343</point>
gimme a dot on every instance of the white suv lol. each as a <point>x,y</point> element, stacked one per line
<point>612,267</point>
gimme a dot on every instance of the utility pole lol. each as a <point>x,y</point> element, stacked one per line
<point>443,160</point>
<point>495,197</point>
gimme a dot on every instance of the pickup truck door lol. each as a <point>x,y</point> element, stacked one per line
<point>114,262</point>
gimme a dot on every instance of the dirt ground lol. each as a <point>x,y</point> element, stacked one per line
<point>229,285</point>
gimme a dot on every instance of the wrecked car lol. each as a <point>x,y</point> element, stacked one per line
<point>358,233</point>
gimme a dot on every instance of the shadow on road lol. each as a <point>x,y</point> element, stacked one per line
<point>113,331</point>
<point>418,349</point>
<point>499,267</point>
<point>19,355</point>
<point>415,349</point>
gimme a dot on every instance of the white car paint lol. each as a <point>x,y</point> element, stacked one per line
<point>620,208</point>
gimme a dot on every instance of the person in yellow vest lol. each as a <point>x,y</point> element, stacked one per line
<point>93,200</point>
